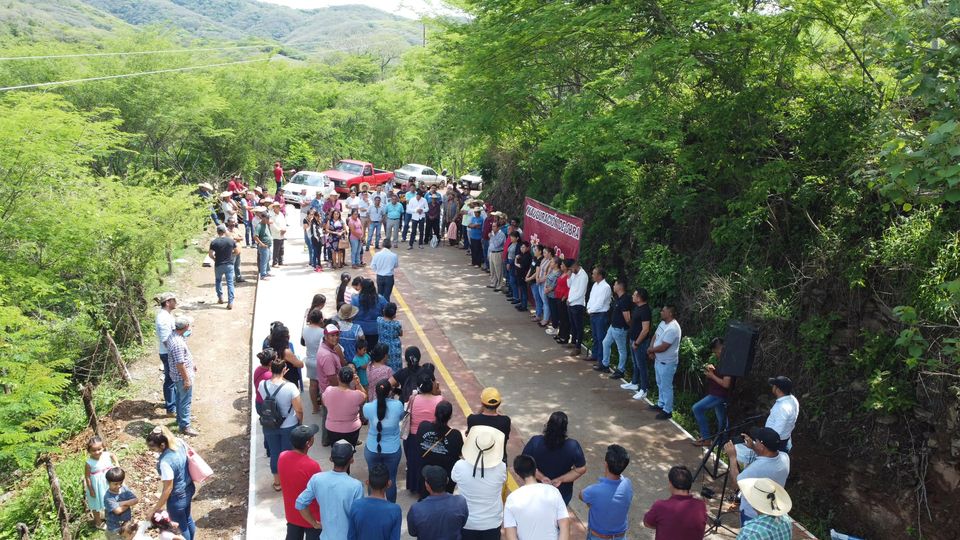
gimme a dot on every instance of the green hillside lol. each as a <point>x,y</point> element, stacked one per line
<point>65,20</point>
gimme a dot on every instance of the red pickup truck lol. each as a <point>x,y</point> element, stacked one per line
<point>349,173</point>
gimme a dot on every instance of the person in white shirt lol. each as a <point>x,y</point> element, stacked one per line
<point>480,475</point>
<point>782,418</point>
<point>417,210</point>
<point>164,325</point>
<point>665,352</point>
<point>534,511</point>
<point>598,309</point>
<point>576,305</point>
<point>383,264</point>
<point>278,229</point>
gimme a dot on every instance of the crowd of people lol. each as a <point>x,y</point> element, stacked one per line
<point>354,371</point>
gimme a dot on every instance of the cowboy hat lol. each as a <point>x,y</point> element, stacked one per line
<point>205,186</point>
<point>483,448</point>
<point>764,495</point>
<point>226,195</point>
<point>348,311</point>
<point>259,209</point>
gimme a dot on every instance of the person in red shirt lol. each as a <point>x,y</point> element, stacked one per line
<point>235,185</point>
<point>295,468</point>
<point>488,225</point>
<point>278,175</point>
<point>681,517</point>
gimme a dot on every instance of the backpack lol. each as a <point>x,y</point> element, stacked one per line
<point>270,415</point>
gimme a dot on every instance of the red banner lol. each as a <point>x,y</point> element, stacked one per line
<point>550,228</point>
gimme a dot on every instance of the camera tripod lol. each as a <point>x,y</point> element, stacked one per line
<point>713,472</point>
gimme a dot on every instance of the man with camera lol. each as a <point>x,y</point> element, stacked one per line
<point>769,463</point>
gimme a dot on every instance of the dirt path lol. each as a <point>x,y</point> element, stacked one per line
<point>220,347</point>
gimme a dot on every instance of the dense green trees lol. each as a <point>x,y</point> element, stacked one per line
<point>793,163</point>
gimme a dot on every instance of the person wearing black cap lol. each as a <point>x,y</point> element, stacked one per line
<point>441,515</point>
<point>335,492</point>
<point>295,468</point>
<point>782,418</point>
<point>768,463</point>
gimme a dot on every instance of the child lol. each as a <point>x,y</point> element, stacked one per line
<point>94,478</point>
<point>169,530</point>
<point>117,503</point>
<point>360,361</point>
<point>390,332</point>
<point>132,530</point>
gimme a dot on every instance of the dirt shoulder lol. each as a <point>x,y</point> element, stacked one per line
<point>220,347</point>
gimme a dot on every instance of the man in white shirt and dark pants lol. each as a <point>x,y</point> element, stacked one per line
<point>598,308</point>
<point>665,352</point>
<point>417,210</point>
<point>384,263</point>
<point>782,418</point>
<point>534,511</point>
<point>576,305</point>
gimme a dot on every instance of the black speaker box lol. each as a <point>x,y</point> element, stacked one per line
<point>739,348</point>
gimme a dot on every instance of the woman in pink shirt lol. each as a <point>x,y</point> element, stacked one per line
<point>355,224</point>
<point>423,408</point>
<point>343,407</point>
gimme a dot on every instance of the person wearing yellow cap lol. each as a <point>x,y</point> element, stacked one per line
<point>489,415</point>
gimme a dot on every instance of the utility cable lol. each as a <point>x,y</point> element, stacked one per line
<point>162,51</point>
<point>126,75</point>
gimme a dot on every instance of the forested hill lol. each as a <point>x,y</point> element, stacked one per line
<point>324,28</point>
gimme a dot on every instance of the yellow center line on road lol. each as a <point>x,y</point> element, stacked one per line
<point>447,378</point>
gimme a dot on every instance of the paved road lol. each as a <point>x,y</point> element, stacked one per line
<point>476,339</point>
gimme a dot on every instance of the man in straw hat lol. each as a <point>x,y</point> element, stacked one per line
<point>278,230</point>
<point>164,325</point>
<point>769,463</point>
<point>264,241</point>
<point>772,504</point>
<point>475,234</point>
<point>480,475</point>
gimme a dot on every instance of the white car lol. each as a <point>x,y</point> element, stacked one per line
<point>306,180</point>
<point>472,181</point>
<point>420,174</point>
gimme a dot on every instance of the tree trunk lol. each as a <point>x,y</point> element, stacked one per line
<point>58,503</point>
<point>138,331</point>
<point>86,392</point>
<point>169,261</point>
<point>114,353</point>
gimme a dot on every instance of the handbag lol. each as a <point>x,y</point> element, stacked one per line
<point>199,471</point>
<point>407,414</point>
<point>343,243</point>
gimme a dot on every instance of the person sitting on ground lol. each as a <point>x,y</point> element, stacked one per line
<point>374,517</point>
<point>534,511</point>
<point>489,415</point>
<point>681,517</point>
<point>768,462</point>
<point>718,391</point>
<point>559,458</point>
<point>609,499</point>
<point>772,504</point>
<point>295,469</point>
<point>480,476</point>
<point>441,516</point>
<point>335,492</point>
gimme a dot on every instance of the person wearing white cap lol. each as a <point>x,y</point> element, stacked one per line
<point>480,476</point>
<point>182,371</point>
<point>228,206</point>
<point>330,359</point>
<point>264,241</point>
<point>164,325</point>
<point>278,230</point>
<point>772,504</point>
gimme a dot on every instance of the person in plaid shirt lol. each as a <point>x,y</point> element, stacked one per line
<point>182,372</point>
<point>772,503</point>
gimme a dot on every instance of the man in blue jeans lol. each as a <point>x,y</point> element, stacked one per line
<point>617,333</point>
<point>264,241</point>
<point>223,249</point>
<point>639,338</point>
<point>665,352</point>
<point>718,392</point>
<point>182,371</point>
<point>598,309</point>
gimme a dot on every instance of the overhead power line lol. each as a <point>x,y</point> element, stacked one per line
<point>127,53</point>
<point>125,75</point>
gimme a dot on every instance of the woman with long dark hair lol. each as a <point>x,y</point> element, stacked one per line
<point>383,438</point>
<point>342,289</point>
<point>422,407</point>
<point>287,397</point>
<point>371,306</point>
<point>559,458</point>
<point>440,444</point>
<point>279,341</point>
<point>336,231</point>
